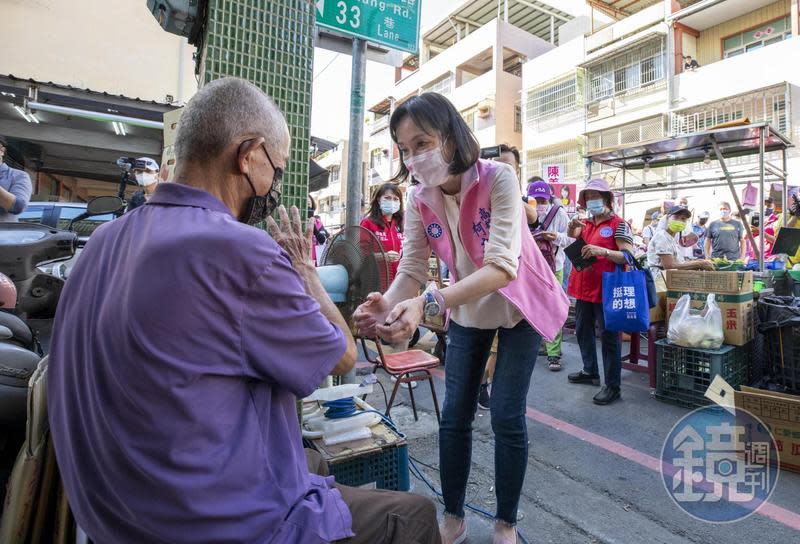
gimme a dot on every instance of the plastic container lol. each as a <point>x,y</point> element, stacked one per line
<point>684,374</point>
<point>380,462</point>
<point>780,327</point>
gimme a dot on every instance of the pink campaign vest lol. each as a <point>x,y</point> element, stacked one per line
<point>535,292</point>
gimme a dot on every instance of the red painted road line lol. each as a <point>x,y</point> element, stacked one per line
<point>647,461</point>
<point>781,515</point>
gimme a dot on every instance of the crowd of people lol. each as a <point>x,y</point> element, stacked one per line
<point>723,238</point>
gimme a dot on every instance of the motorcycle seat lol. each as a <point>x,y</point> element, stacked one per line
<point>16,368</point>
<point>20,331</point>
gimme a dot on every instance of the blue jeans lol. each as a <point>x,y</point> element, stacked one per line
<point>587,314</point>
<point>467,350</point>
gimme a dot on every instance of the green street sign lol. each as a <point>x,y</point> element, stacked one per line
<point>394,24</point>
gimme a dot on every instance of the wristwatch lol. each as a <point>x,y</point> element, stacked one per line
<point>434,302</point>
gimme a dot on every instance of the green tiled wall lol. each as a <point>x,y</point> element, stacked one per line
<point>271,44</point>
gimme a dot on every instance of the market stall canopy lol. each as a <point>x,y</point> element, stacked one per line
<point>691,148</point>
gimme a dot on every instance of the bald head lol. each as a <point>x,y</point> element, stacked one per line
<point>225,112</point>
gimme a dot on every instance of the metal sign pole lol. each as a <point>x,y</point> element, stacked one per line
<point>356,144</point>
<point>355,150</point>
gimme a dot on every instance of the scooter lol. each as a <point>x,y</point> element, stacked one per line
<point>24,331</point>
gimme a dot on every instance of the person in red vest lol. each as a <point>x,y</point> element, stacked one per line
<point>385,221</point>
<point>606,236</point>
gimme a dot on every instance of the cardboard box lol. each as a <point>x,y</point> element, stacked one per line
<point>167,171</point>
<point>779,412</point>
<point>734,295</point>
<point>171,119</point>
<point>699,281</point>
<point>659,313</point>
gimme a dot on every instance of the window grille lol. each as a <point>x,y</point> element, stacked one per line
<point>568,155</point>
<point>552,98</point>
<point>630,72</point>
<point>640,131</point>
<point>443,85</point>
<point>518,117</point>
<point>469,117</point>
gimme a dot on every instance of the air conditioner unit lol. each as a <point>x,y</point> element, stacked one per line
<point>182,17</point>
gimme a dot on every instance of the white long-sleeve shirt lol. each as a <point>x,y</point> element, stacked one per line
<point>559,226</point>
<point>502,250</point>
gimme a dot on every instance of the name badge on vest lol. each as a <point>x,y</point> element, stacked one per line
<point>435,230</point>
<point>606,232</point>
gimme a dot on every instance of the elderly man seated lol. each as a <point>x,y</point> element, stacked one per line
<point>182,340</point>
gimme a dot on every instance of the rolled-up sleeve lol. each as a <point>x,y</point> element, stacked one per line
<point>505,235</point>
<point>416,250</point>
<point>21,188</point>
<point>285,338</point>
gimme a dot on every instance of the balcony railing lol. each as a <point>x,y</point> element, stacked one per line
<point>378,125</point>
<point>769,105</point>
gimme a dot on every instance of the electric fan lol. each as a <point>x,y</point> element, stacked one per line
<point>353,266</point>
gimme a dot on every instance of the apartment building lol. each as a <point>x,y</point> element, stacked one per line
<point>474,56</point>
<point>331,200</point>
<point>631,80</point>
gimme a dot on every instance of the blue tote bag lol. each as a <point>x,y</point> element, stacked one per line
<point>626,305</point>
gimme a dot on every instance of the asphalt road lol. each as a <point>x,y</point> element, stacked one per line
<point>592,475</point>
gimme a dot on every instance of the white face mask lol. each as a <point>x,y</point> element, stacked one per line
<point>145,178</point>
<point>390,207</point>
<point>429,168</point>
<point>542,209</point>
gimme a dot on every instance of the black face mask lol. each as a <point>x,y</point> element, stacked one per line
<point>259,207</point>
<point>703,221</point>
<point>310,212</point>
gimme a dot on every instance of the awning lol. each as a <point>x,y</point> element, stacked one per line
<point>621,8</point>
<point>317,177</point>
<point>531,16</point>
<point>691,148</point>
<point>707,13</point>
<point>78,150</point>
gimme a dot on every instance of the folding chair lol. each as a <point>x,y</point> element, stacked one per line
<point>407,366</point>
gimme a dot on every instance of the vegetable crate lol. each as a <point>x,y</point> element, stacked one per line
<point>782,350</point>
<point>379,462</point>
<point>684,374</point>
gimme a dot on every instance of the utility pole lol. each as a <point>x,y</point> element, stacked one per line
<point>355,182</point>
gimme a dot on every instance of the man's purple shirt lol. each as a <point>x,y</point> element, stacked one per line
<point>181,341</point>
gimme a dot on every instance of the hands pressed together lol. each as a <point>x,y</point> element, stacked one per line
<point>394,325</point>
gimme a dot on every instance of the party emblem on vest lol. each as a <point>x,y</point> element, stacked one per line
<point>435,230</point>
<point>606,232</point>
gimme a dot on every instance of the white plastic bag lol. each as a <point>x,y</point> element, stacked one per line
<point>696,328</point>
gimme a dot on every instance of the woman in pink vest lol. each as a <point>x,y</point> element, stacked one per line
<point>470,212</point>
<point>606,235</point>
